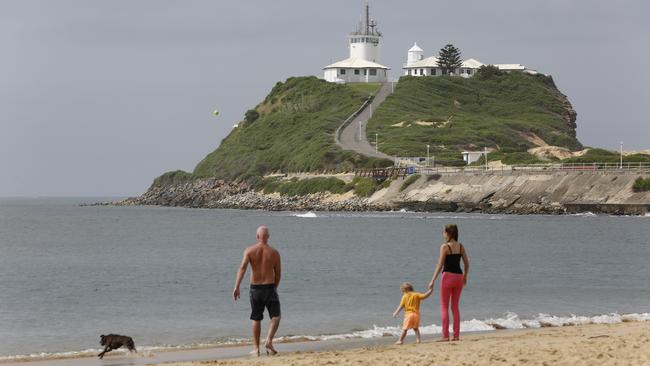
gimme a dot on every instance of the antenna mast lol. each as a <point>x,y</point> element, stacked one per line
<point>367,18</point>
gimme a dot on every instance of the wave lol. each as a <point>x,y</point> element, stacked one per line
<point>509,320</point>
<point>309,214</point>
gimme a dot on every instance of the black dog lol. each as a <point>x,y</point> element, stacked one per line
<point>115,341</point>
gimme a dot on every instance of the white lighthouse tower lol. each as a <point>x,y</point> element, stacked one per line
<point>363,65</point>
<point>365,42</point>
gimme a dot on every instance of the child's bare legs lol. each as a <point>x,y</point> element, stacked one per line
<point>417,335</point>
<point>401,337</point>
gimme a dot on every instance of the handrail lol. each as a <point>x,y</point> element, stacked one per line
<point>643,167</point>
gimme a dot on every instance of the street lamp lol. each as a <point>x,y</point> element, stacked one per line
<point>376,143</point>
<point>427,155</point>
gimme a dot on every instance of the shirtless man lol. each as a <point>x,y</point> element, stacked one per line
<point>265,262</point>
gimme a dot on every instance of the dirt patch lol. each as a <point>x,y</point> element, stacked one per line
<point>533,138</point>
<point>400,124</point>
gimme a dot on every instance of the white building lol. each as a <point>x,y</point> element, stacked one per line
<point>363,65</point>
<point>472,156</point>
<point>417,65</point>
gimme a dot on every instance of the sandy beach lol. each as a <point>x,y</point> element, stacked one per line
<point>598,344</point>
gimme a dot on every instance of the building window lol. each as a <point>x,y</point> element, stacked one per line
<point>365,71</point>
<point>373,72</point>
<point>421,71</point>
<point>342,71</point>
<point>356,71</point>
<point>469,72</point>
<point>433,71</point>
<point>409,71</point>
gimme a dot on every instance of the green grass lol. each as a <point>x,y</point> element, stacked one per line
<point>606,156</point>
<point>641,185</point>
<point>295,187</point>
<point>294,132</point>
<point>492,112</point>
<point>172,178</point>
<point>408,181</point>
<point>365,88</point>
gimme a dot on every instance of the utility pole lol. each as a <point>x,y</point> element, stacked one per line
<point>427,155</point>
<point>621,155</point>
<point>486,160</point>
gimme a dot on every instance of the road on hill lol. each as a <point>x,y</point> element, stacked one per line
<point>353,136</point>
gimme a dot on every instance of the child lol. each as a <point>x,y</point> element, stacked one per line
<point>411,305</point>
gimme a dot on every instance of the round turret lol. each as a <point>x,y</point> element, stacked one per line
<point>415,54</point>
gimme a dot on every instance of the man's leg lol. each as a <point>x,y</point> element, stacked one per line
<point>273,327</point>
<point>257,330</point>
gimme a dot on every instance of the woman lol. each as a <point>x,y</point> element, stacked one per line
<point>453,278</point>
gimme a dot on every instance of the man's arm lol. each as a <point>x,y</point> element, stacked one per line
<point>240,275</point>
<point>278,271</point>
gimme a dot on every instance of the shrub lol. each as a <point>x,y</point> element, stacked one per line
<point>488,72</point>
<point>364,187</point>
<point>641,185</point>
<point>172,178</point>
<point>304,187</point>
<point>408,181</point>
<point>251,116</point>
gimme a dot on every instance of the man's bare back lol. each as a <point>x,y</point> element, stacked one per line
<point>267,271</point>
<point>265,264</point>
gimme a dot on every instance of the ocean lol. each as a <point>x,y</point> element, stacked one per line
<point>164,276</point>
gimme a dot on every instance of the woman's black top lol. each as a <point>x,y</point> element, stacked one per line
<point>452,261</point>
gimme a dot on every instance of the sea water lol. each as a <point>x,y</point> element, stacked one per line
<point>164,276</point>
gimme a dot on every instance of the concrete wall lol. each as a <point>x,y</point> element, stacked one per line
<point>332,75</point>
<point>556,192</point>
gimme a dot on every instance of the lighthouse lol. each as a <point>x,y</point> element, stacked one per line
<point>364,45</point>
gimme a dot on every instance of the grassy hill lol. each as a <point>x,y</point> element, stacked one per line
<point>291,130</point>
<point>509,113</point>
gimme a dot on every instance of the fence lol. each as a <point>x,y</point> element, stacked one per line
<point>642,167</point>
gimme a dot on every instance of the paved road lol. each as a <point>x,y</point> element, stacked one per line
<point>353,136</point>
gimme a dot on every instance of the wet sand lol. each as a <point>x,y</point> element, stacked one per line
<point>598,344</point>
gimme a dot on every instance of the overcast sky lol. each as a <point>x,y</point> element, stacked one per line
<point>99,97</point>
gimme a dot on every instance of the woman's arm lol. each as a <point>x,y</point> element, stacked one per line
<point>465,264</point>
<point>441,260</point>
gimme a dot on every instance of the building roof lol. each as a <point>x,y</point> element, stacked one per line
<point>427,62</point>
<point>472,63</point>
<point>355,63</point>
<point>510,66</point>
<point>415,48</point>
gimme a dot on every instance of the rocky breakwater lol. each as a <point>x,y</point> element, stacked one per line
<point>216,193</point>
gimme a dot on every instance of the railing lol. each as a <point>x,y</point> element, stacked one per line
<point>641,167</point>
<point>345,123</point>
<point>389,172</point>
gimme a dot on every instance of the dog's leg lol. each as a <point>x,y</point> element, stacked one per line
<point>106,349</point>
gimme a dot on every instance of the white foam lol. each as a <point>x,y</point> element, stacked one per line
<point>309,214</point>
<point>510,320</point>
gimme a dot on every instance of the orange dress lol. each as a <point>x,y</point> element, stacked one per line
<point>411,304</point>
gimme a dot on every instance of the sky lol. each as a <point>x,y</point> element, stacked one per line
<point>97,98</point>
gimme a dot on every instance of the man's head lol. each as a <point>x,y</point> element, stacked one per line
<point>262,234</point>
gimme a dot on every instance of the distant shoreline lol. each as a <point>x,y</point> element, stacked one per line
<point>554,193</point>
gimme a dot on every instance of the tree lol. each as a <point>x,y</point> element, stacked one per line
<point>449,59</point>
